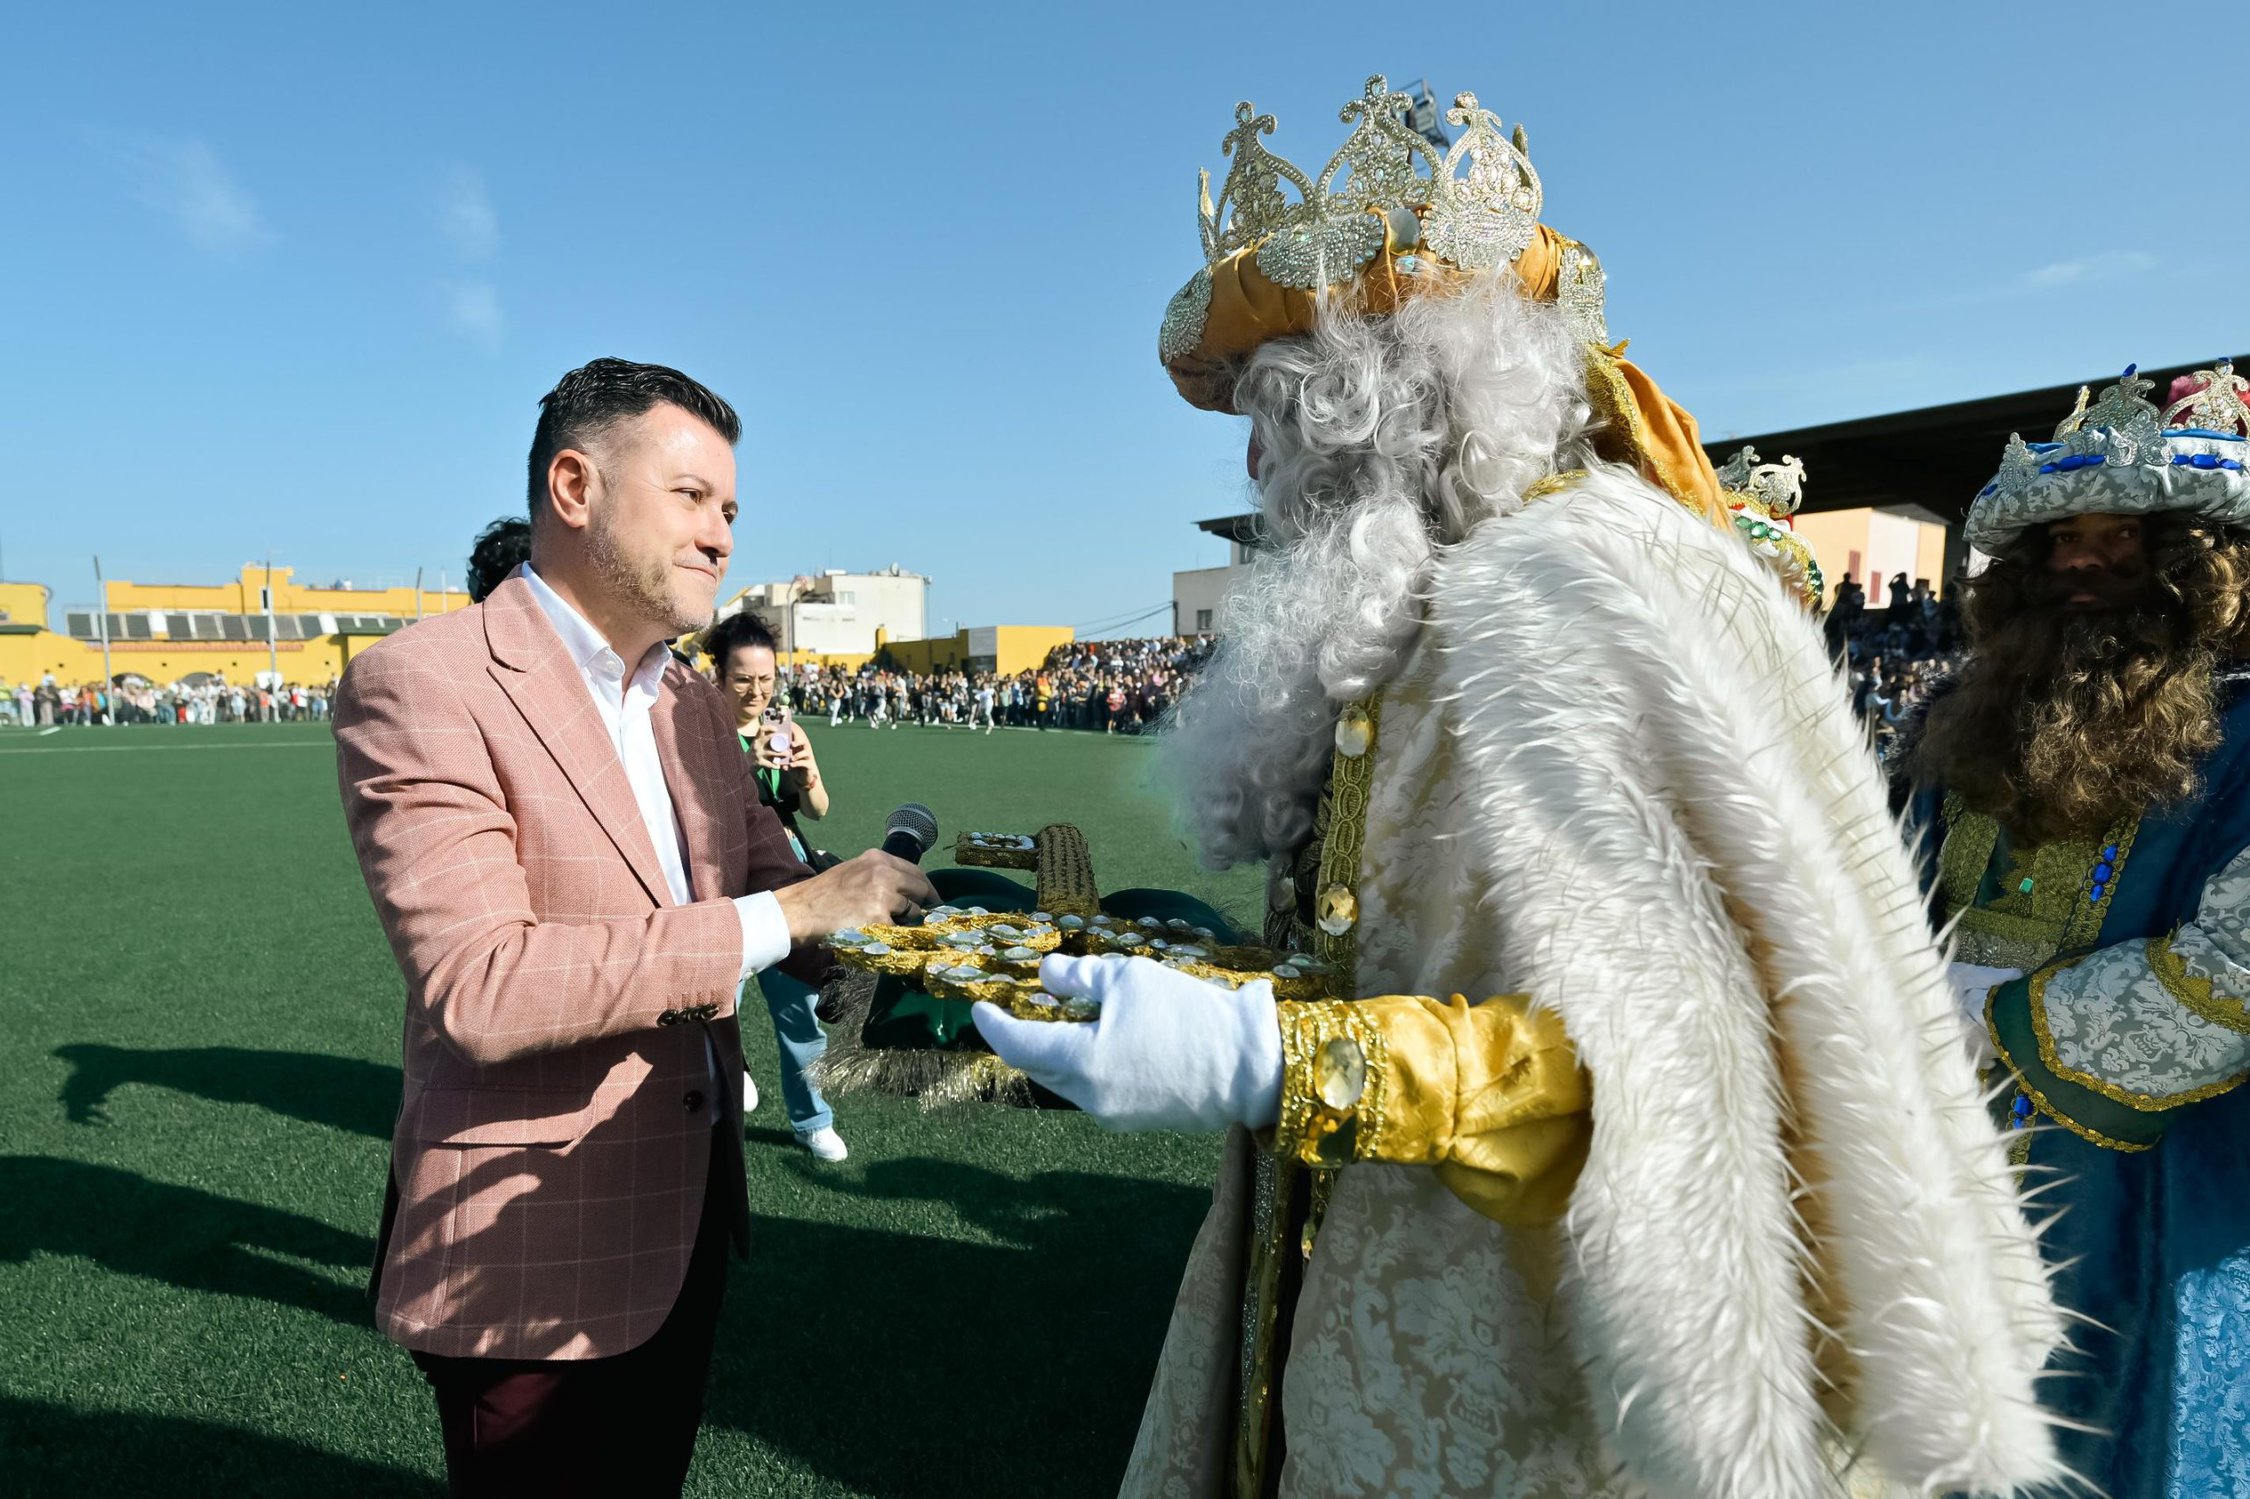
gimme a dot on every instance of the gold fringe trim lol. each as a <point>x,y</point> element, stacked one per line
<point>2197,994</point>
<point>2146,1103</point>
<point>933,1079</point>
<point>2040,1100</point>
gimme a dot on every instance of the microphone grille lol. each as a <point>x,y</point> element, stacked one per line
<point>917,822</point>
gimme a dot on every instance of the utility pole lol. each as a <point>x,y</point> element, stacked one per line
<point>101,613</point>
<point>417,595</point>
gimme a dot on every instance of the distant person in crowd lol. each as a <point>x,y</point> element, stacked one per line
<point>741,649</point>
<point>498,550</point>
<point>576,876</point>
<point>1902,597</point>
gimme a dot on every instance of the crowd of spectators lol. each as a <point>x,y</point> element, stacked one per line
<point>1109,686</point>
<point>1897,655</point>
<point>135,700</point>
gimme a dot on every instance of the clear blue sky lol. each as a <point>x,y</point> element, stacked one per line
<point>293,277</point>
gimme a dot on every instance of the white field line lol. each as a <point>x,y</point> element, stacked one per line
<point>101,749</point>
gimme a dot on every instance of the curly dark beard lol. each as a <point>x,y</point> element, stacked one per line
<point>2065,722</point>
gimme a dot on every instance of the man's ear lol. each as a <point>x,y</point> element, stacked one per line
<point>573,484</point>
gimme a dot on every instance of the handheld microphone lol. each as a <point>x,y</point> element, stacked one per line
<point>911,832</point>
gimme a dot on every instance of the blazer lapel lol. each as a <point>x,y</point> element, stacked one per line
<point>533,668</point>
<point>685,743</point>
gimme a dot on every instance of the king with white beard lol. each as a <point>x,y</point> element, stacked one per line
<point>1638,1156</point>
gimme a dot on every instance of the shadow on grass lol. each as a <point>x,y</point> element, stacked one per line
<point>58,1449</point>
<point>358,1097</point>
<point>905,1366</point>
<point>183,1237</point>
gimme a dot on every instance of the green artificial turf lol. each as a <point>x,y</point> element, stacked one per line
<point>199,1027</point>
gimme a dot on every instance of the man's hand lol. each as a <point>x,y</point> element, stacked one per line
<point>1169,1051</point>
<point>872,887</point>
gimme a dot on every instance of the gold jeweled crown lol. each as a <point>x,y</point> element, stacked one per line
<point>1386,188</point>
<point>1476,222</point>
<point>1391,217</point>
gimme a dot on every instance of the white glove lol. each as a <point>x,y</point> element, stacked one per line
<point>1169,1051</point>
<point>1972,984</point>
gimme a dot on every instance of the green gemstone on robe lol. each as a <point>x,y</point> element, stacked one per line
<point>2025,887</point>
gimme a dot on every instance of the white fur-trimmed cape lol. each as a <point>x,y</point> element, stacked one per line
<point>1796,1235</point>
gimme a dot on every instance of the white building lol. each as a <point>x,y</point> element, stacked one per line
<point>837,612</point>
<point>1199,594</point>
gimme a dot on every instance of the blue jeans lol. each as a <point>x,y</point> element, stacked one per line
<point>802,1041</point>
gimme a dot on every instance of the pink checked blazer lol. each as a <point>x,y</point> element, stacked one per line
<point>553,1142</point>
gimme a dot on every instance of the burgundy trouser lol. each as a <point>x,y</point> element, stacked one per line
<point>622,1426</point>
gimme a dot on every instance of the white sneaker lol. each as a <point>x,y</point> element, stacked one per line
<point>749,1093</point>
<point>825,1144</point>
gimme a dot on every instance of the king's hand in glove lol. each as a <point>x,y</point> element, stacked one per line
<point>1169,1051</point>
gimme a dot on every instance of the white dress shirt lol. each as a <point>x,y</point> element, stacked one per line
<point>625,704</point>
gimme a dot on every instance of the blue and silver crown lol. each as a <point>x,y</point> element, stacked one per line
<point>2116,454</point>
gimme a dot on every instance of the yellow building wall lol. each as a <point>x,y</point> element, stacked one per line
<point>1025,647</point>
<point>1016,648</point>
<point>939,653</point>
<point>74,663</point>
<point>243,596</point>
<point>23,604</point>
<point>27,655</point>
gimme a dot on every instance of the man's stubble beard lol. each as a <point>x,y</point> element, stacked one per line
<point>646,584</point>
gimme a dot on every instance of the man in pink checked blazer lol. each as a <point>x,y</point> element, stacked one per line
<point>570,860</point>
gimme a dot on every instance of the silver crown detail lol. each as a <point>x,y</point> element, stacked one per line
<point>2219,406</point>
<point>1385,184</point>
<point>1776,488</point>
<point>2117,453</point>
<point>1330,231</point>
<point>2118,429</point>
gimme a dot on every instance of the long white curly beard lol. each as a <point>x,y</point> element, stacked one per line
<point>1383,440</point>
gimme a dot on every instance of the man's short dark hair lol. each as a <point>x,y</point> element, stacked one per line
<point>598,395</point>
<point>495,553</point>
<point>737,632</point>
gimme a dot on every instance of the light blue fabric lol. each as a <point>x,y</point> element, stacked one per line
<point>2152,1247</point>
<point>2210,1394</point>
<point>802,1041</point>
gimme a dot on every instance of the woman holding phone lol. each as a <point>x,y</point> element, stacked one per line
<point>742,663</point>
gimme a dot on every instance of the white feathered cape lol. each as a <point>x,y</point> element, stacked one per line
<point>1617,774</point>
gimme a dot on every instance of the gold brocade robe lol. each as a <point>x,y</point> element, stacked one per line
<point>1614,774</point>
<point>1406,1280</point>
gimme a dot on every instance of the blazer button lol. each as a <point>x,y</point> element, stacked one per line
<point>694,1101</point>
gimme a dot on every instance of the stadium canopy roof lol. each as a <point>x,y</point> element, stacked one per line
<point>1932,461</point>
